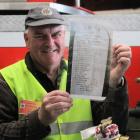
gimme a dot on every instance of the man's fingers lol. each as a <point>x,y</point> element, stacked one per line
<point>55,99</point>
<point>123,54</point>
<point>121,48</point>
<point>116,46</point>
<point>57,108</point>
<point>58,92</point>
<point>124,60</point>
<point>58,105</point>
<point>56,96</point>
<point>61,111</point>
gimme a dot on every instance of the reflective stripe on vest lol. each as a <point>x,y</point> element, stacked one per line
<point>74,127</point>
<point>69,124</point>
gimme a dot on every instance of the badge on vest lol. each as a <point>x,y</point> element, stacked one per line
<point>27,106</point>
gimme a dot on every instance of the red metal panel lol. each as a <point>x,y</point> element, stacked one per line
<point>9,55</point>
<point>131,75</point>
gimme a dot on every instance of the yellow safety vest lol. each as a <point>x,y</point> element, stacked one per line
<point>29,91</point>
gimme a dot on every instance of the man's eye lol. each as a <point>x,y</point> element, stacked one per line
<point>57,35</point>
<point>38,36</point>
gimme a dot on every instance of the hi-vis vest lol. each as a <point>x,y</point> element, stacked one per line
<point>29,93</point>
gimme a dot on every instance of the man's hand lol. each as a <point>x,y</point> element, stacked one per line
<point>54,104</point>
<point>120,61</point>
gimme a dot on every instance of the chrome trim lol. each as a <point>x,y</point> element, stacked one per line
<point>26,6</point>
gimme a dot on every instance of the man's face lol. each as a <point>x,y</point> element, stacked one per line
<point>46,44</point>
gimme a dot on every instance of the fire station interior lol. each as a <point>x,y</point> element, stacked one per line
<point>19,8</point>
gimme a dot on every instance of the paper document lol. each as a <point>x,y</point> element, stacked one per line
<point>88,62</point>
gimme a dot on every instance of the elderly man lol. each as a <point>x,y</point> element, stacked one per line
<point>33,102</point>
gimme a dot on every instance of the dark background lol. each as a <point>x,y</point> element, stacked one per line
<point>96,5</point>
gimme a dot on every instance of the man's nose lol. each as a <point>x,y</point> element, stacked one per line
<point>50,41</point>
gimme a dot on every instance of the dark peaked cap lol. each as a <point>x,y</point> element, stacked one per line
<point>42,16</point>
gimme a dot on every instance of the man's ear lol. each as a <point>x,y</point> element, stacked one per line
<point>26,39</point>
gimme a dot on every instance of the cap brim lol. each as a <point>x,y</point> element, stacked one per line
<point>46,22</point>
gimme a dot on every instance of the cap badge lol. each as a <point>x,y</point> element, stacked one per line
<point>46,11</point>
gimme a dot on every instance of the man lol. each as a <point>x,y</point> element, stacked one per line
<point>33,102</point>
